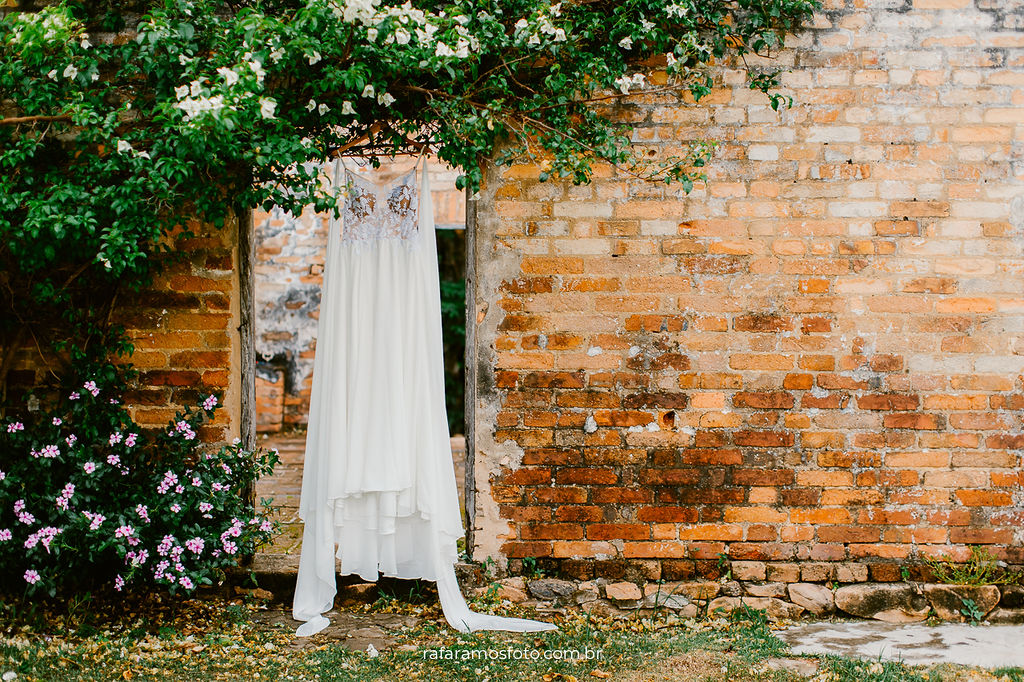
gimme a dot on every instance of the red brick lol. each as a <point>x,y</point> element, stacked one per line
<point>586,476</point>
<point>763,439</point>
<point>618,531</point>
<point>888,401</point>
<point>912,421</point>
<point>774,400</point>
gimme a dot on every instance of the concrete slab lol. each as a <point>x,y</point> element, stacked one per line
<point>985,646</point>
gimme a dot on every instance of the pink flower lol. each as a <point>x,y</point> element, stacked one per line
<point>18,505</point>
<point>226,468</point>
<point>230,547</point>
<point>26,518</point>
<point>62,503</point>
<point>179,489</point>
<point>96,520</point>
<point>113,460</point>
<point>196,481</point>
<point>15,426</point>
<point>74,396</point>
<point>210,403</point>
<point>89,467</point>
<point>123,531</point>
<point>195,545</point>
<point>2,475</point>
<point>50,451</point>
<point>186,582</point>
<point>205,507</point>
<point>143,512</point>
<point>92,388</point>
<point>130,440</point>
<point>71,440</point>
<point>57,421</point>
<point>175,508</point>
<point>118,583</point>
<point>31,577</point>
<point>266,526</point>
<point>116,438</point>
<point>6,535</point>
<point>69,490</point>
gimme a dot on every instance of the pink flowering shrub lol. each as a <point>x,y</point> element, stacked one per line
<point>88,498</point>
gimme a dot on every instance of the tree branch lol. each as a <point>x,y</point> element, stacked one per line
<point>18,120</point>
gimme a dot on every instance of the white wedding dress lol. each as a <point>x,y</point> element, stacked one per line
<point>378,479</point>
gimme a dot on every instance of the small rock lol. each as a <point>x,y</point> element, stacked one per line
<point>587,592</point>
<point>949,601</point>
<point>777,590</point>
<point>817,599</point>
<point>623,592</point>
<point>805,667</point>
<point>775,608</point>
<point>513,594</point>
<point>665,600</point>
<point>732,589</point>
<point>1012,597</point>
<point>691,590</point>
<point>604,609</point>
<point>1007,616</point>
<point>889,602</point>
<point>260,593</point>
<point>10,675</point>
<point>516,582</point>
<point>550,588</point>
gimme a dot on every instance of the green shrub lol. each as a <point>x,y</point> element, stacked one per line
<point>89,498</point>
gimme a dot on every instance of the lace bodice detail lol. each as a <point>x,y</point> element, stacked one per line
<point>374,212</point>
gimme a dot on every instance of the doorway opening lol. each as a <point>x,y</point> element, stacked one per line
<point>288,263</point>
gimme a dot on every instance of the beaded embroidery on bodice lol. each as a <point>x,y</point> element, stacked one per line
<point>374,212</point>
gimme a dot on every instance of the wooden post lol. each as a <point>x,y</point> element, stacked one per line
<point>471,371</point>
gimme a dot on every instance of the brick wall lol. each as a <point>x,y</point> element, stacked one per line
<point>289,274</point>
<point>185,332</point>
<point>816,357</point>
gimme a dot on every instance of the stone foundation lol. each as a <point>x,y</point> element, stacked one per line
<point>893,602</point>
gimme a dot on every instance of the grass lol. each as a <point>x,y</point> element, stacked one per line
<point>219,639</point>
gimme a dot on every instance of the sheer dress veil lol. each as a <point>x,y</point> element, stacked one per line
<point>378,485</point>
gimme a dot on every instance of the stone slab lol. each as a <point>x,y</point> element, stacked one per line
<point>986,646</point>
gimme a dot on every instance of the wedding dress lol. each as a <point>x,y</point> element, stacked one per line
<point>378,479</point>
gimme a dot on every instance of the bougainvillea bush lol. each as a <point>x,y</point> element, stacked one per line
<point>88,499</point>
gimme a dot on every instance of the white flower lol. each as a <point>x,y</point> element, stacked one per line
<point>230,77</point>
<point>371,35</point>
<point>670,57</point>
<point>646,25</point>
<point>183,60</point>
<point>70,71</point>
<point>123,146</point>
<point>368,91</point>
<point>559,35</point>
<point>267,107</point>
<point>94,77</point>
<point>323,109</point>
<point>257,68</point>
<point>534,40</point>
<point>311,105</point>
<point>194,88</point>
<point>181,92</point>
<point>402,37</point>
<point>314,58</point>
<point>443,50</point>
<point>626,43</point>
<point>674,10</point>
<point>521,24</point>
<point>142,155</point>
<point>556,10</point>
<point>85,43</point>
<point>276,55</point>
<point>52,74</point>
<point>386,99</point>
<point>347,109</point>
